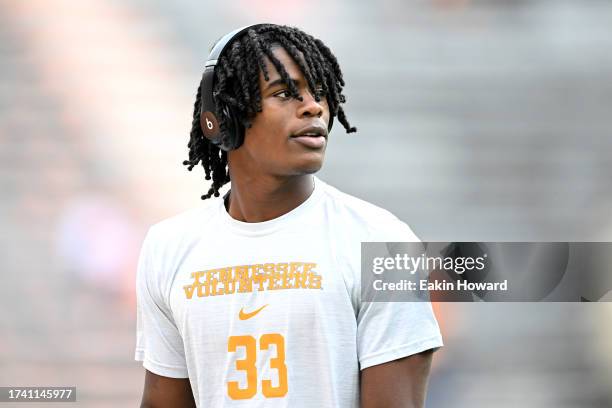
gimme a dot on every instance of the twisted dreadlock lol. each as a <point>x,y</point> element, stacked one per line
<point>237,87</point>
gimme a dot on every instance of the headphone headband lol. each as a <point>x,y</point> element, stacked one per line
<point>220,45</point>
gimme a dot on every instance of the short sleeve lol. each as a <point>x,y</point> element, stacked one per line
<point>159,344</point>
<point>387,331</point>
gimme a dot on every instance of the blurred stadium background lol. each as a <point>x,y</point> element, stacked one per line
<point>478,120</point>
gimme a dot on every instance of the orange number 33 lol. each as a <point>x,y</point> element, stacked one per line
<point>248,364</point>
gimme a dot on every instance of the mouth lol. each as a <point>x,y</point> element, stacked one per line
<point>312,131</point>
<point>311,137</point>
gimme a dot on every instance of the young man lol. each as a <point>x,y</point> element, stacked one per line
<point>254,300</point>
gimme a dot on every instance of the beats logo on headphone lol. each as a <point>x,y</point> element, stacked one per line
<point>209,125</point>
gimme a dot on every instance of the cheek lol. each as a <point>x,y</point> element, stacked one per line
<point>273,126</point>
<point>267,133</point>
<point>325,106</point>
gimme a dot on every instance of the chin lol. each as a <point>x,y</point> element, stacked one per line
<point>309,165</point>
<point>302,170</point>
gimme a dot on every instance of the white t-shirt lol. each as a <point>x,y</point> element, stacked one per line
<point>269,314</point>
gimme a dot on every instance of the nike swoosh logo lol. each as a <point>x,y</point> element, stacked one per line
<point>243,316</point>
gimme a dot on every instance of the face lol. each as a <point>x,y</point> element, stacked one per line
<point>289,136</point>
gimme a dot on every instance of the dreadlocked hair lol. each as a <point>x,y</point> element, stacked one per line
<point>237,88</point>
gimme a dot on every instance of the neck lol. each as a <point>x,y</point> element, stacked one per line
<point>259,199</point>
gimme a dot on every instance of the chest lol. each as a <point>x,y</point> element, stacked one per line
<point>296,289</point>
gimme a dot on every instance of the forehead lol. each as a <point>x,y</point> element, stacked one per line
<point>292,68</point>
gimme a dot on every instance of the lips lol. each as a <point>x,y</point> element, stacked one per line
<point>312,131</point>
<point>313,136</point>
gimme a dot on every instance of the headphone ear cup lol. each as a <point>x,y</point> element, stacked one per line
<point>228,132</point>
<point>238,135</point>
<point>233,135</point>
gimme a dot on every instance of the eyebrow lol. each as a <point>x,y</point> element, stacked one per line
<point>280,81</point>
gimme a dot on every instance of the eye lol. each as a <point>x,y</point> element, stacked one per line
<point>283,94</point>
<point>319,89</point>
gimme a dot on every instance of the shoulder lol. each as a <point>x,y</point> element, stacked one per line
<point>377,223</point>
<point>168,240</point>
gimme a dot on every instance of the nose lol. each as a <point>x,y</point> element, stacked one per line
<point>309,106</point>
